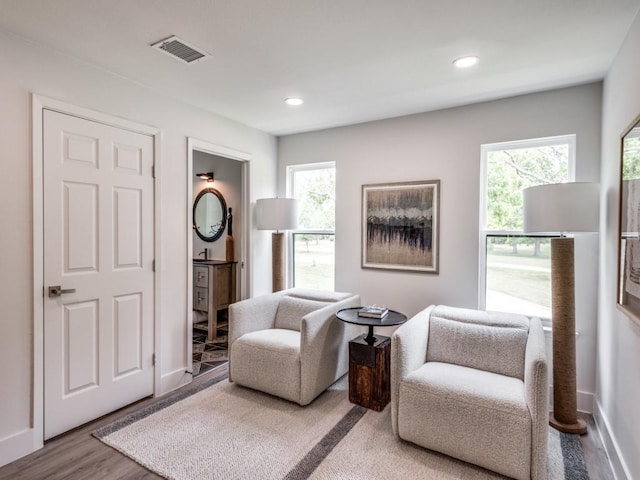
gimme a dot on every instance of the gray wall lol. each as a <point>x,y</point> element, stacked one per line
<point>445,145</point>
<point>618,352</point>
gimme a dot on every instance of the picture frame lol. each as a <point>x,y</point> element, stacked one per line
<point>401,226</point>
<point>628,294</point>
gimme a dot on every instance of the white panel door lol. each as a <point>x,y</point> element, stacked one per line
<point>98,249</point>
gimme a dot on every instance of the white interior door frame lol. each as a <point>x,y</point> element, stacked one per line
<point>39,105</point>
<point>194,144</point>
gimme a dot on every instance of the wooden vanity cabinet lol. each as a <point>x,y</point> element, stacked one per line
<point>214,289</point>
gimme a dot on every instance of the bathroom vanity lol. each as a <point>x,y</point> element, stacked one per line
<point>214,289</point>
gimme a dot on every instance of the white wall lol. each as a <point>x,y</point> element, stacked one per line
<point>29,68</point>
<point>618,352</point>
<point>445,145</point>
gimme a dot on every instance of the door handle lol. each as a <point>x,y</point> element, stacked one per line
<point>57,290</point>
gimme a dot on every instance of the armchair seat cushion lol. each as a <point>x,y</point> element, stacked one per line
<point>284,341</point>
<point>477,416</point>
<point>269,360</point>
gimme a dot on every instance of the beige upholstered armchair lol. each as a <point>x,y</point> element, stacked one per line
<point>473,385</point>
<point>290,343</point>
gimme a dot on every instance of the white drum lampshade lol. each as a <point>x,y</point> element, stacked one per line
<point>561,207</point>
<point>277,213</point>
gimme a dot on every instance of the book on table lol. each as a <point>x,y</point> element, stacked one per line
<point>373,312</point>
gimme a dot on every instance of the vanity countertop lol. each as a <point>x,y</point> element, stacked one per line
<point>211,261</point>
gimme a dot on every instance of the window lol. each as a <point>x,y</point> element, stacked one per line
<point>313,246</point>
<point>515,268</point>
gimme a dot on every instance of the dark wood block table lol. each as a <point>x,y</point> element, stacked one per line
<point>369,359</point>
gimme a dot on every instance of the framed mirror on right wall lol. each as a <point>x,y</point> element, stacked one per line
<point>629,224</point>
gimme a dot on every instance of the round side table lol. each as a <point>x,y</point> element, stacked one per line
<point>350,315</point>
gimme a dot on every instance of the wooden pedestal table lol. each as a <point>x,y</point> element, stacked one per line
<point>369,360</point>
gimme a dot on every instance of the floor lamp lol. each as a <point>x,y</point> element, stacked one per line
<point>277,214</point>
<point>565,208</point>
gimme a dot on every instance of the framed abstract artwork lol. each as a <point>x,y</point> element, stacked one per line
<point>401,226</point>
<point>629,245</point>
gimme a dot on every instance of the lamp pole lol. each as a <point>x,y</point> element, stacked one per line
<point>277,261</point>
<point>565,407</point>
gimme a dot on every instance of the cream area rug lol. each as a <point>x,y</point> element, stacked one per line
<point>223,431</point>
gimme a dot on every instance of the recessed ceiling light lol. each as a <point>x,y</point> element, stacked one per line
<point>464,62</point>
<point>294,101</point>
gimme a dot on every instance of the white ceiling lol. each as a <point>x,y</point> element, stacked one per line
<point>351,60</point>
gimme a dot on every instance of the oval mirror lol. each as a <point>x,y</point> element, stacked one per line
<point>209,214</point>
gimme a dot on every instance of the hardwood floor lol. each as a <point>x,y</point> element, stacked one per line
<point>594,453</point>
<point>77,455</point>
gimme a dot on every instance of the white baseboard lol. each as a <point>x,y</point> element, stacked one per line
<point>18,445</point>
<point>172,380</point>
<point>585,401</point>
<point>619,467</point>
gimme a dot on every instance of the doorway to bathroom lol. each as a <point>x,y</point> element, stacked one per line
<point>217,244</point>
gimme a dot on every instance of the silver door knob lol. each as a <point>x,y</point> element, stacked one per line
<point>57,290</point>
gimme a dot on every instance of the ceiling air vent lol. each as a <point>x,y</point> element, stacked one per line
<point>180,49</point>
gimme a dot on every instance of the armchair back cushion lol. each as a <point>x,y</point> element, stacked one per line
<point>487,341</point>
<point>318,295</point>
<point>292,309</point>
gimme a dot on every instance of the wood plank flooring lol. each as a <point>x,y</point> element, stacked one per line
<point>77,455</point>
<point>594,453</point>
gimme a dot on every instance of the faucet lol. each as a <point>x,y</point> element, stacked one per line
<point>206,254</point>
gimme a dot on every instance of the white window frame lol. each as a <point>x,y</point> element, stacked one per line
<point>291,171</point>
<point>485,149</point>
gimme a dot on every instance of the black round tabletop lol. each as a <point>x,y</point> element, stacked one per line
<point>350,315</point>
